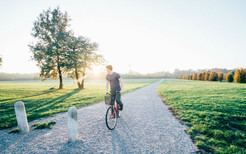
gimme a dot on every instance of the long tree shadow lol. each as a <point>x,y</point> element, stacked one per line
<point>49,105</point>
<point>43,108</point>
<point>39,94</point>
<point>8,107</point>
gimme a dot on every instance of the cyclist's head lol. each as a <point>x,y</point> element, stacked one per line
<point>109,68</point>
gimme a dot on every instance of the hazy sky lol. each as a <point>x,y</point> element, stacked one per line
<point>144,35</point>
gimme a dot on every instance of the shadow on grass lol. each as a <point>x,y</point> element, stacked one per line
<point>39,94</point>
<point>35,110</point>
<point>48,106</point>
<point>9,106</point>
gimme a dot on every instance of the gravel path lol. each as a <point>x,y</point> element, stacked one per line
<point>146,126</point>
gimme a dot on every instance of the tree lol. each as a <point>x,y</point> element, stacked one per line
<point>81,57</point>
<point>187,77</point>
<point>240,76</point>
<point>199,76</point>
<point>89,58</point>
<point>220,76</point>
<point>74,62</point>
<point>224,76</point>
<point>203,76</point>
<point>1,61</point>
<point>213,76</point>
<point>229,77</point>
<point>50,31</point>
<point>207,75</point>
<point>190,77</point>
<point>194,76</point>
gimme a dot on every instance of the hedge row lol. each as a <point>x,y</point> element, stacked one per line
<point>239,76</point>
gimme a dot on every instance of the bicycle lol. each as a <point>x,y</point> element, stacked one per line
<point>112,113</point>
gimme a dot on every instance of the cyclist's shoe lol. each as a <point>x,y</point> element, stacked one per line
<point>121,107</point>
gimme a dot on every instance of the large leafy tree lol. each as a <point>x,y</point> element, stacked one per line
<point>82,55</point>
<point>75,60</point>
<point>50,50</point>
<point>90,57</point>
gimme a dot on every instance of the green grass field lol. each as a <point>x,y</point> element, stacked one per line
<point>41,102</point>
<point>214,111</point>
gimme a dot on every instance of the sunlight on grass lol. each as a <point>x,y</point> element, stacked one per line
<point>41,102</point>
<point>214,111</point>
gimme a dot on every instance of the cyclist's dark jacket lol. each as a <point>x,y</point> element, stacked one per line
<point>114,81</point>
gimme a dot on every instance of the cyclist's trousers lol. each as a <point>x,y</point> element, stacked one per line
<point>117,96</point>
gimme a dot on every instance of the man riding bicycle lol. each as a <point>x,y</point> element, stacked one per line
<point>116,85</point>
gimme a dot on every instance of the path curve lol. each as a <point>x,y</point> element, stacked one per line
<point>146,126</point>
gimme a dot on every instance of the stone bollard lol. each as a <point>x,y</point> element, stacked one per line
<point>72,124</point>
<point>21,118</point>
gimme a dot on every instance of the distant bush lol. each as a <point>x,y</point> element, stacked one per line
<point>180,77</point>
<point>186,77</point>
<point>190,77</point>
<point>229,77</point>
<point>194,76</point>
<point>203,76</point>
<point>220,76</point>
<point>207,75</point>
<point>1,61</point>
<point>199,77</point>
<point>224,76</point>
<point>213,76</point>
<point>18,76</point>
<point>239,76</point>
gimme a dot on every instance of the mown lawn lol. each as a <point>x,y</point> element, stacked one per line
<point>215,112</point>
<point>41,102</point>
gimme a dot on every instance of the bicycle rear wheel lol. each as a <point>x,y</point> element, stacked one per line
<point>111,118</point>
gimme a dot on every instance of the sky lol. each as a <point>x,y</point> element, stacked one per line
<point>140,35</point>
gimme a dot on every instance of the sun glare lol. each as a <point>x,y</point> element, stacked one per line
<point>96,70</point>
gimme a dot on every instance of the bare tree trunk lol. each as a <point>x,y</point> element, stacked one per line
<point>83,79</point>
<point>77,77</point>
<point>60,78</point>
<point>59,71</point>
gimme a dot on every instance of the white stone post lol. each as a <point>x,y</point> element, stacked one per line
<point>72,124</point>
<point>21,118</point>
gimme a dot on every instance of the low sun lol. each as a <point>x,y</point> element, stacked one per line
<point>96,70</point>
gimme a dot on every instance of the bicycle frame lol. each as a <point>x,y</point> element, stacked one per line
<point>112,113</point>
<point>116,106</point>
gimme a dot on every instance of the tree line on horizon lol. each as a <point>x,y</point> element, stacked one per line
<point>58,52</point>
<point>130,75</point>
<point>238,76</point>
<point>36,76</point>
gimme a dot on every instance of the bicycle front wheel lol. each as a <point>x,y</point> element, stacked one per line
<point>111,118</point>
